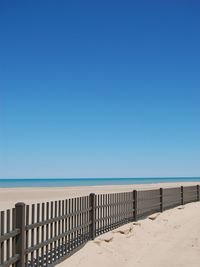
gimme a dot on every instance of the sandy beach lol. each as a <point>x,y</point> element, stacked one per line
<point>170,240</point>
<point>10,196</point>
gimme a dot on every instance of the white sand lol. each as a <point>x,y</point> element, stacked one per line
<point>171,240</point>
<point>9,196</point>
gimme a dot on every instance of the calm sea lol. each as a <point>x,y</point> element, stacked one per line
<point>62,182</point>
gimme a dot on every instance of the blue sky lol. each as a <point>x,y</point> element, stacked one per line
<point>99,88</point>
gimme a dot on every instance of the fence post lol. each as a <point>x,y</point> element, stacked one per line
<point>92,201</point>
<point>198,197</point>
<point>20,239</point>
<point>135,205</point>
<point>161,199</point>
<point>182,196</point>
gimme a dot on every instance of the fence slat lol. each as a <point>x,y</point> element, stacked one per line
<point>2,232</point>
<point>42,234</point>
<point>47,233</point>
<point>20,239</point>
<point>51,233</point>
<point>161,200</point>
<point>55,230</point>
<point>135,204</point>
<point>182,196</point>
<point>59,223</point>
<point>65,228</point>
<point>14,238</point>
<point>92,215</point>
<point>37,234</point>
<point>32,232</point>
<point>8,230</point>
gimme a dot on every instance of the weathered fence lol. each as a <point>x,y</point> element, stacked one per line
<point>47,233</point>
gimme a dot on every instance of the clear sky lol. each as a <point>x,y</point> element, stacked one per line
<point>99,88</point>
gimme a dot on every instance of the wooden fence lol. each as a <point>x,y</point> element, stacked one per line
<point>47,233</point>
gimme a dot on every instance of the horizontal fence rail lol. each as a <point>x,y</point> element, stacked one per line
<point>45,234</point>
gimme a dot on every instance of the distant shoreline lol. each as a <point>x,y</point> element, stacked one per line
<point>76,182</point>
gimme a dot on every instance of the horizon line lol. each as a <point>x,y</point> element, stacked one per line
<point>152,177</point>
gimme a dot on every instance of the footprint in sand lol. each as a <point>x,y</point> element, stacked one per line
<point>177,226</point>
<point>107,239</point>
<point>154,216</point>
<point>181,208</point>
<point>131,235</point>
<point>124,231</point>
<point>137,223</point>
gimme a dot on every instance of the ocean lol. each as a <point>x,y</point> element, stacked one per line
<point>66,182</point>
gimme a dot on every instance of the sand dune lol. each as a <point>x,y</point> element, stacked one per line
<point>170,239</point>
